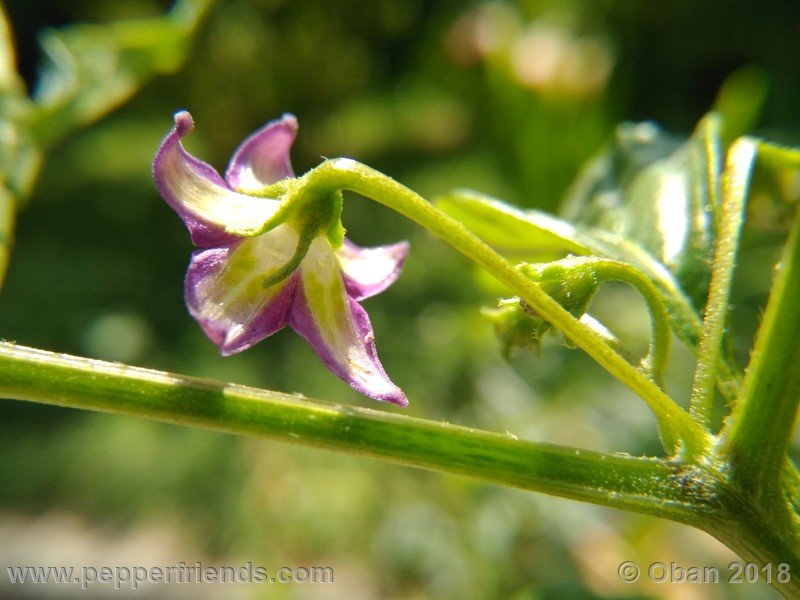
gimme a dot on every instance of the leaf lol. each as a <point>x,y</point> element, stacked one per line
<point>660,192</point>
<point>93,68</point>
<point>19,156</point>
<point>10,80</point>
<point>616,217</point>
<point>512,230</point>
<point>739,101</point>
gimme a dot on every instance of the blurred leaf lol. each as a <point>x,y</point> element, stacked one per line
<point>739,101</point>
<point>509,229</point>
<point>93,68</point>
<point>6,226</point>
<point>9,78</point>
<point>624,207</point>
<point>660,192</point>
<point>19,157</point>
<point>414,117</point>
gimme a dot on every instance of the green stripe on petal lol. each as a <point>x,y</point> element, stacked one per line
<point>231,298</point>
<point>337,327</point>
<point>325,293</point>
<point>255,261</point>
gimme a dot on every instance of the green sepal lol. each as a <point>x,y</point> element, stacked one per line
<point>311,216</point>
<point>336,231</point>
<point>572,282</point>
<point>306,209</point>
<point>513,325</point>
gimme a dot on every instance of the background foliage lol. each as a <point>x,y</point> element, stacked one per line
<point>507,98</point>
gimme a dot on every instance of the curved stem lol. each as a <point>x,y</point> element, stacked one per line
<point>608,269</point>
<point>685,322</point>
<point>679,433</point>
<point>529,233</point>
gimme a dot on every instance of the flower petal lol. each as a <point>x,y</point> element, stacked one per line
<point>263,158</point>
<point>369,271</point>
<point>213,213</point>
<point>225,289</point>
<point>337,327</point>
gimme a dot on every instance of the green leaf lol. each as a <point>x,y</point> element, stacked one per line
<point>19,156</point>
<point>10,81</point>
<point>739,101</point>
<point>655,190</point>
<point>529,232</point>
<point>93,68</point>
<point>660,192</point>
<point>615,217</point>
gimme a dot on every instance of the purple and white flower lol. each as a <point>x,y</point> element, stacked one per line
<point>258,269</point>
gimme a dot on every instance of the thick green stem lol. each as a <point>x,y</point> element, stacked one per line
<point>757,436</point>
<point>689,494</point>
<point>735,183</point>
<point>679,432</point>
<point>637,484</point>
<point>755,534</point>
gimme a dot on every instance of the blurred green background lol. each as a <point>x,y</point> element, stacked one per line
<point>509,98</point>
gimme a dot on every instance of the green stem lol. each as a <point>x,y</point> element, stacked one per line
<point>656,359</point>
<point>689,494</point>
<point>757,436</point>
<point>624,482</point>
<point>685,322</point>
<point>684,493</point>
<point>531,233</point>
<point>753,532</point>
<point>679,433</point>
<point>735,182</point>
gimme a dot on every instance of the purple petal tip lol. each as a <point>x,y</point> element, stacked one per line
<point>263,158</point>
<point>183,122</point>
<point>290,120</point>
<point>399,400</point>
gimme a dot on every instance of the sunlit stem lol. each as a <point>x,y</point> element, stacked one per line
<point>692,494</point>
<point>758,434</point>
<point>625,482</point>
<point>611,270</point>
<point>678,432</point>
<point>735,183</point>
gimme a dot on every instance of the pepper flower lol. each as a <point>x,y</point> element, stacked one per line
<point>261,265</point>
